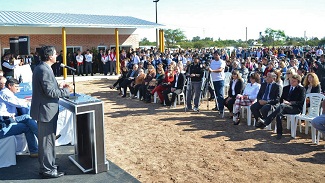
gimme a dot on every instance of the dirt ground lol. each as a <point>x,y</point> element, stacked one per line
<point>155,144</point>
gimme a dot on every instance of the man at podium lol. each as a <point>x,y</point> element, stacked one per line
<point>45,110</point>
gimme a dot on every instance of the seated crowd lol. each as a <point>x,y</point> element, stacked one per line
<point>273,82</point>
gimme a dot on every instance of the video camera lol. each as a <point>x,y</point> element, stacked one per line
<point>206,64</point>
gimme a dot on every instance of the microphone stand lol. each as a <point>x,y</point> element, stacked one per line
<point>74,97</point>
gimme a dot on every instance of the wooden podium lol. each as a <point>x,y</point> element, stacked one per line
<point>88,120</point>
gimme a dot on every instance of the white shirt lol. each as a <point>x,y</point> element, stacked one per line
<point>89,57</point>
<point>176,80</point>
<point>233,86</point>
<point>112,57</point>
<point>104,58</point>
<point>80,58</point>
<point>9,102</point>
<point>217,76</point>
<point>251,90</point>
<point>136,59</point>
<point>319,52</point>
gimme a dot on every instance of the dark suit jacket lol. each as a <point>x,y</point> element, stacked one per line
<point>46,94</point>
<point>297,96</point>
<point>274,95</point>
<point>315,89</point>
<point>130,72</point>
<point>180,81</point>
<point>238,88</point>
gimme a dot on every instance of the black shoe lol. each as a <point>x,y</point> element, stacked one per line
<point>51,174</point>
<point>33,155</point>
<point>215,109</point>
<point>123,96</point>
<point>237,121</point>
<point>278,136</point>
<point>260,125</point>
<point>211,98</point>
<point>57,137</point>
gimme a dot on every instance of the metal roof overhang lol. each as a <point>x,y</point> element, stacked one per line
<point>42,19</point>
<point>82,25</point>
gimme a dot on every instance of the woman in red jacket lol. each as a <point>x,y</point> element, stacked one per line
<point>169,78</point>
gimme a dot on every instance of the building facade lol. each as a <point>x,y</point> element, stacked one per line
<point>76,38</point>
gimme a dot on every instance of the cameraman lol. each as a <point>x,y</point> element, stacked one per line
<point>194,75</point>
<point>218,76</point>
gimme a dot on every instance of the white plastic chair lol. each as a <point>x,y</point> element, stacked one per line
<point>178,98</point>
<point>314,111</point>
<point>248,112</point>
<point>319,135</point>
<point>227,82</point>
<point>155,96</point>
<point>268,127</point>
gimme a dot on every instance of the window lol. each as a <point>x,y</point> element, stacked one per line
<point>101,48</point>
<point>5,50</point>
<point>122,47</point>
<point>73,49</point>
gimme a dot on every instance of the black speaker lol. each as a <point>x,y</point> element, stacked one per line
<point>14,45</point>
<point>24,45</point>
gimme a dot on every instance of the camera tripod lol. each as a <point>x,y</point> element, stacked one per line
<point>188,85</point>
<point>206,80</point>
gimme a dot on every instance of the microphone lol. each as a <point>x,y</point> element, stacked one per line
<point>68,67</point>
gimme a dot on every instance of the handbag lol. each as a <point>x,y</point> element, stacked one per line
<point>178,91</point>
<point>164,84</point>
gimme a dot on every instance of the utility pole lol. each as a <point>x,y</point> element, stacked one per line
<point>157,34</point>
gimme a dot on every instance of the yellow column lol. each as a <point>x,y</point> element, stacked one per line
<point>64,49</point>
<point>162,40</point>
<point>117,51</point>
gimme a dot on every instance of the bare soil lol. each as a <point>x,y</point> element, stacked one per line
<point>155,144</point>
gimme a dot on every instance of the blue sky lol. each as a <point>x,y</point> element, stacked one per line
<point>205,18</point>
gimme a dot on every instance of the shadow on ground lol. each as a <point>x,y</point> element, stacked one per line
<point>210,121</point>
<point>27,168</point>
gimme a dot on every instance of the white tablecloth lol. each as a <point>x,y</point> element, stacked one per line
<point>10,146</point>
<point>7,151</point>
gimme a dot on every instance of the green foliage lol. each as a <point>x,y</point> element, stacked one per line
<point>172,37</point>
<point>185,45</point>
<point>322,41</point>
<point>195,39</point>
<point>145,42</point>
<point>175,38</point>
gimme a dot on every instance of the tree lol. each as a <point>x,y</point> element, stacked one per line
<point>173,36</point>
<point>322,41</point>
<point>145,42</point>
<point>274,35</point>
<point>195,39</point>
<point>208,39</point>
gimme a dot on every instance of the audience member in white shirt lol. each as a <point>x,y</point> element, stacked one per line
<point>248,97</point>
